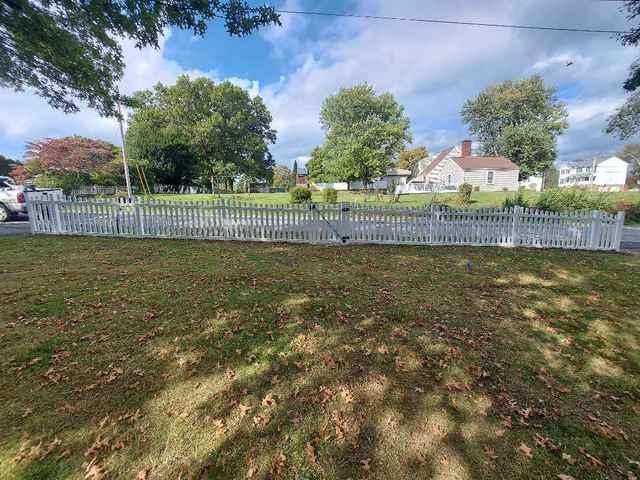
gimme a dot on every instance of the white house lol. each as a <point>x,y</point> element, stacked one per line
<point>534,182</point>
<point>457,165</point>
<point>605,174</point>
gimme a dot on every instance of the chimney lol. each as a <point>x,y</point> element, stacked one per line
<point>466,148</point>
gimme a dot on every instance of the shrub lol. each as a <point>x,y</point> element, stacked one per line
<point>517,200</point>
<point>631,211</point>
<point>572,199</point>
<point>464,193</point>
<point>330,195</point>
<point>299,195</point>
<point>476,188</point>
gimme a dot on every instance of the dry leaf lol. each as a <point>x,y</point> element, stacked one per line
<point>310,450</point>
<point>269,401</point>
<point>94,471</point>
<point>525,450</point>
<point>563,476</point>
<point>278,463</point>
<point>244,409</point>
<point>143,474</point>
<point>366,464</point>
<point>490,452</point>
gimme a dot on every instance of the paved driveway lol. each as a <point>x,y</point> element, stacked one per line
<point>14,228</point>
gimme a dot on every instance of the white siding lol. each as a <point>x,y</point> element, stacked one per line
<point>502,179</point>
<point>451,168</point>
<point>613,171</point>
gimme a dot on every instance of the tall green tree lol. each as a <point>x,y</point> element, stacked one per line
<point>6,164</point>
<point>295,172</point>
<point>219,130</point>
<point>410,157</point>
<point>364,131</point>
<point>282,176</point>
<point>625,122</point>
<point>69,50</point>
<point>519,119</point>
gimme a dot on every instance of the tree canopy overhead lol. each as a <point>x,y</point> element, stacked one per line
<point>519,119</point>
<point>69,50</point>
<point>410,157</point>
<point>364,131</point>
<point>197,128</point>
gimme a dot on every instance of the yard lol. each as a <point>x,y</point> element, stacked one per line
<point>159,359</point>
<point>478,199</point>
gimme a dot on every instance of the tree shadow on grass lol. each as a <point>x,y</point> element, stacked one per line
<point>351,366</point>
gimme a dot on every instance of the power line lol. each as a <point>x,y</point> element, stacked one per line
<point>450,22</point>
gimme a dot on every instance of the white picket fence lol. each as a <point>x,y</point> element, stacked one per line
<point>323,223</point>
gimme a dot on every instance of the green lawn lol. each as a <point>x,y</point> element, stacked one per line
<point>478,199</point>
<point>166,359</point>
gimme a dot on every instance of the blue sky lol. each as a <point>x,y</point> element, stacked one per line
<point>431,69</point>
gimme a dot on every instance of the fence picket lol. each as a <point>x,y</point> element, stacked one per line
<point>230,219</point>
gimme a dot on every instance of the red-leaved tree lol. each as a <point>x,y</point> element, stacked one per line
<point>19,174</point>
<point>66,155</point>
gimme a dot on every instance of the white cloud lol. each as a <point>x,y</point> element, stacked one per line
<point>24,116</point>
<point>433,69</point>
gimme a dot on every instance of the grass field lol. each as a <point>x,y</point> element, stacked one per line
<point>159,359</point>
<point>478,199</point>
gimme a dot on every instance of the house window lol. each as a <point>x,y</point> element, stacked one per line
<point>490,176</point>
<point>449,180</point>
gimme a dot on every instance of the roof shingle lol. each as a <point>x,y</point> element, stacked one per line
<point>485,163</point>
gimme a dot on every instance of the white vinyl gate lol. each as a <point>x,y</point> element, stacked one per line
<point>323,223</point>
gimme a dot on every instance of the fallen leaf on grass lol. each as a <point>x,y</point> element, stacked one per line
<point>269,400</point>
<point>568,458</point>
<point>525,450</point>
<point>143,474</point>
<point>278,463</point>
<point>490,452</point>
<point>310,451</point>
<point>366,464</point>
<point>94,471</point>
<point>261,420</point>
<point>244,409</point>
<point>563,476</point>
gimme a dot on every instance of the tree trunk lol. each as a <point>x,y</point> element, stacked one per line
<point>211,179</point>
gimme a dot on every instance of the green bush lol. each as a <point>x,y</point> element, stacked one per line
<point>631,211</point>
<point>330,195</point>
<point>572,199</point>
<point>517,200</point>
<point>299,195</point>
<point>464,193</point>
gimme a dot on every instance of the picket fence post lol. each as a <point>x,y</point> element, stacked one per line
<point>515,224</point>
<point>617,238</point>
<point>139,216</point>
<point>595,229</point>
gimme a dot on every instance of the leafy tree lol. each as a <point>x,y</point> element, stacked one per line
<point>69,162</point>
<point>18,173</point>
<point>219,131</point>
<point>409,158</point>
<point>295,172</point>
<point>631,153</point>
<point>6,164</point>
<point>363,132</point>
<point>625,122</point>
<point>551,178</point>
<point>520,120</point>
<point>282,176</point>
<point>69,50</point>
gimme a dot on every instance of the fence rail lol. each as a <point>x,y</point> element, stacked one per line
<point>323,223</point>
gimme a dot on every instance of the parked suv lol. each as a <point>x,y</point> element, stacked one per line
<point>12,201</point>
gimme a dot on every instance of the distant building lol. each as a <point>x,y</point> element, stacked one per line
<point>302,179</point>
<point>454,166</point>
<point>534,182</point>
<point>604,174</point>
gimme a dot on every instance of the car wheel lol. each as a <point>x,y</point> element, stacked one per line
<point>4,213</point>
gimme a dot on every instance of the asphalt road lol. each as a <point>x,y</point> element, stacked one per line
<point>20,227</point>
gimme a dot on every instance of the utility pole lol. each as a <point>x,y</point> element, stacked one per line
<point>124,154</point>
